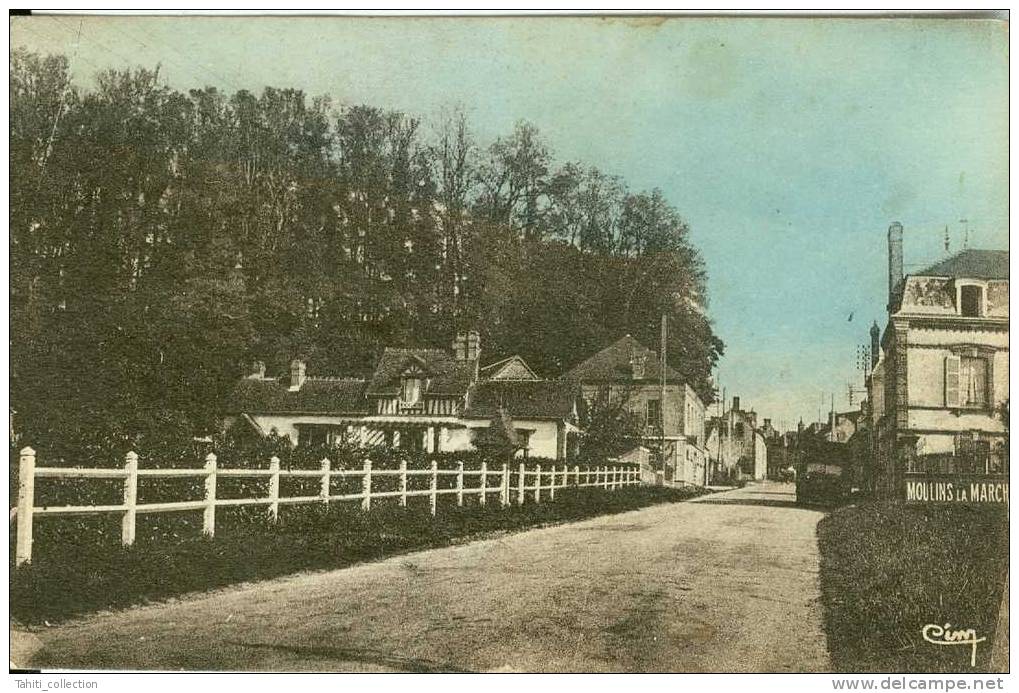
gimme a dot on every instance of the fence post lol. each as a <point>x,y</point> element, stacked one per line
<point>537,483</point>
<point>323,488</point>
<point>127,525</point>
<point>366,486</point>
<point>605,476</point>
<point>484,483</point>
<point>520,485</point>
<point>551,491</point>
<point>26,504</point>
<point>209,519</point>
<point>504,490</point>
<point>459,484</point>
<point>576,473</point>
<point>433,485</point>
<point>403,483</point>
<point>274,488</point>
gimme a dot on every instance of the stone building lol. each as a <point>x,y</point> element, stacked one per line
<point>941,378</point>
<point>631,374</point>
<point>736,446</point>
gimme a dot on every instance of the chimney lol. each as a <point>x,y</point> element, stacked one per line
<point>467,349</point>
<point>735,404</point>
<point>767,423</point>
<point>297,368</point>
<point>257,370</point>
<point>460,347</point>
<point>875,344</point>
<point>473,346</point>
<point>894,259</point>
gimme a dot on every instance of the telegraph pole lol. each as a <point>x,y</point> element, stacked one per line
<point>661,409</point>
<point>831,427</point>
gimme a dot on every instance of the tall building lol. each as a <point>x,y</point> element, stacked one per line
<point>938,386</point>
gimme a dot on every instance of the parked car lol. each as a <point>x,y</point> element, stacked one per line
<point>820,483</point>
<point>823,478</point>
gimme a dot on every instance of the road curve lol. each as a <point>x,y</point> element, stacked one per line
<point>724,583</point>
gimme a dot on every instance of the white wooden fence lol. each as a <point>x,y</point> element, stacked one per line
<point>535,483</point>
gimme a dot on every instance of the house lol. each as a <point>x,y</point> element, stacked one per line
<point>736,447</point>
<point>630,375</point>
<point>429,400</point>
<point>941,378</point>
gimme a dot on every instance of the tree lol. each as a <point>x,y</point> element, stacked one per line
<point>162,240</point>
<point>513,181</point>
<point>610,427</point>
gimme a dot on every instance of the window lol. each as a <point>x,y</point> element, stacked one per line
<point>972,381</point>
<point>654,413</point>
<point>410,392</point>
<point>524,439</point>
<point>637,364</point>
<point>971,300</point>
<point>739,430</point>
<point>312,436</point>
<point>967,381</point>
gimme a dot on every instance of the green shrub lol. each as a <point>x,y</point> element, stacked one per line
<point>888,569</point>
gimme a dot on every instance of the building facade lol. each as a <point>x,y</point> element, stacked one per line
<point>736,446</point>
<point>673,415</point>
<point>417,399</point>
<point>937,389</point>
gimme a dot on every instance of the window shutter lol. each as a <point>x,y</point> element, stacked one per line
<point>952,381</point>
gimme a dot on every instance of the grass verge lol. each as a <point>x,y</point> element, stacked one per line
<point>889,569</point>
<point>69,577</point>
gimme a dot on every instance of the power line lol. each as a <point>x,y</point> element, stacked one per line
<point>199,65</point>
<point>133,60</point>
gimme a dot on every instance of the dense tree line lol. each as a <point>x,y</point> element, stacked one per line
<point>161,241</point>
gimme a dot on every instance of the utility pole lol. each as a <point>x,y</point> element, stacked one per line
<point>661,409</point>
<point>721,422</point>
<point>831,428</point>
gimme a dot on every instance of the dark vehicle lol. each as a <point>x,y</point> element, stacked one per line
<point>823,478</point>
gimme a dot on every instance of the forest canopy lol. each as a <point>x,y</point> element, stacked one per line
<point>161,241</point>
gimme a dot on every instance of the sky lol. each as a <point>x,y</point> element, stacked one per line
<point>788,145</point>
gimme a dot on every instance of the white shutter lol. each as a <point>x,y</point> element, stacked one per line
<point>952,364</point>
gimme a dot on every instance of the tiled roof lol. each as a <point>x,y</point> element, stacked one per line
<point>612,364</point>
<point>317,395</point>
<point>971,264</point>
<point>523,399</point>
<point>446,375</point>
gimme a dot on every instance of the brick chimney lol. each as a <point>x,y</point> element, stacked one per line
<point>894,259</point>
<point>467,349</point>
<point>735,404</point>
<point>297,377</point>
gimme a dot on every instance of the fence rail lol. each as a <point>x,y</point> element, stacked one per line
<point>511,486</point>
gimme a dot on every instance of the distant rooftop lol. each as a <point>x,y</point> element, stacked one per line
<point>613,365</point>
<point>971,264</point>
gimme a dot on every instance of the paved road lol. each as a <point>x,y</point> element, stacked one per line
<point>724,583</point>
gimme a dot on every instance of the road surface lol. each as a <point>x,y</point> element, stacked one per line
<point>724,583</point>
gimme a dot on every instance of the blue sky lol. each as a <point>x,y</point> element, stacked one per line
<point>788,145</point>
